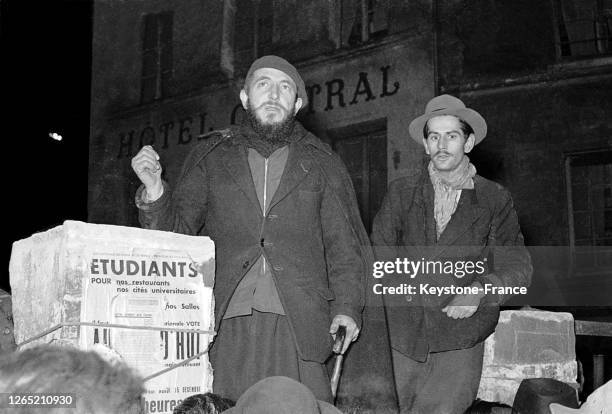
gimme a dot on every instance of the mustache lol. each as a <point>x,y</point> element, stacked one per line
<point>442,153</point>
<point>271,103</point>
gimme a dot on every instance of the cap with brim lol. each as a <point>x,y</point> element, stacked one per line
<point>448,105</point>
<point>534,396</point>
<point>278,63</point>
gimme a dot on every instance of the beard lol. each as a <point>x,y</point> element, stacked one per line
<point>273,133</point>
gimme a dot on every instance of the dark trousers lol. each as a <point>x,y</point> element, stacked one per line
<point>252,347</point>
<point>447,383</point>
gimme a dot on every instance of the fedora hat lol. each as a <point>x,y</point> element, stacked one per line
<point>280,395</point>
<point>448,105</point>
<point>535,395</point>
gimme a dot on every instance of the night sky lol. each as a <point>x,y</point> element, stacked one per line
<point>46,59</point>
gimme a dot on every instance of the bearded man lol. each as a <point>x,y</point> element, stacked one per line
<point>281,209</point>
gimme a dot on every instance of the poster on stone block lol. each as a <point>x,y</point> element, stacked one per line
<point>162,290</point>
<point>143,296</point>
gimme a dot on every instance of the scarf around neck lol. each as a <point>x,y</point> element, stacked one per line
<point>447,190</point>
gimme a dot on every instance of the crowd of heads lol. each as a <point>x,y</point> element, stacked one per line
<point>96,385</point>
<point>102,386</point>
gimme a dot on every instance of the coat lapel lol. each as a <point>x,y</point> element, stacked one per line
<point>420,237</point>
<point>237,165</point>
<point>297,168</point>
<point>467,212</point>
<point>429,221</point>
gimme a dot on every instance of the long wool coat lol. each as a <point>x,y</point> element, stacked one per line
<point>311,234</point>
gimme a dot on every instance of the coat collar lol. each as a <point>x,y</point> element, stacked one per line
<point>299,164</point>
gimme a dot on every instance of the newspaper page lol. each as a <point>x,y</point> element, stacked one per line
<point>162,290</point>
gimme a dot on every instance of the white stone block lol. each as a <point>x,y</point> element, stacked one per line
<point>102,274</point>
<point>527,344</point>
<point>7,339</point>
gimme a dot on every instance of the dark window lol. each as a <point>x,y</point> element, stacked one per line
<point>253,29</point>
<point>156,56</point>
<point>244,30</point>
<point>584,27</point>
<point>589,181</point>
<point>362,20</point>
<point>363,148</point>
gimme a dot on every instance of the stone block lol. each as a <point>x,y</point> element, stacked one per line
<point>111,277</point>
<point>527,344</point>
<point>7,338</point>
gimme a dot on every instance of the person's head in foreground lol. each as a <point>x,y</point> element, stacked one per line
<point>280,395</point>
<point>207,403</point>
<point>448,131</point>
<point>97,386</point>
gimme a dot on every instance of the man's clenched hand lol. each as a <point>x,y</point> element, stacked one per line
<point>148,169</point>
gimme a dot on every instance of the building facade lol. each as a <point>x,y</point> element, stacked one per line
<point>165,72</point>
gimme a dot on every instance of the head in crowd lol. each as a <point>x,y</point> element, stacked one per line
<point>97,386</point>
<point>208,403</point>
<point>272,95</point>
<point>448,130</point>
<point>280,395</point>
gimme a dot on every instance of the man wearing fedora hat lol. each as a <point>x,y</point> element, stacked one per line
<point>446,213</point>
<point>290,246</point>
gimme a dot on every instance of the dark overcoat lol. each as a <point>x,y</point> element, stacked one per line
<point>310,234</point>
<point>483,228</point>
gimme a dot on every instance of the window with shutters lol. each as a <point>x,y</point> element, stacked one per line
<point>589,189</point>
<point>584,28</point>
<point>156,56</point>
<point>361,21</point>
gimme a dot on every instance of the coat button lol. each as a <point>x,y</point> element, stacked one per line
<point>262,242</point>
<point>245,264</point>
<point>272,216</point>
<point>278,268</point>
<point>408,298</point>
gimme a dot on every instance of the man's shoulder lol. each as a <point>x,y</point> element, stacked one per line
<point>206,145</point>
<point>211,140</point>
<point>491,191</point>
<point>323,155</point>
<point>490,186</point>
<point>316,146</point>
